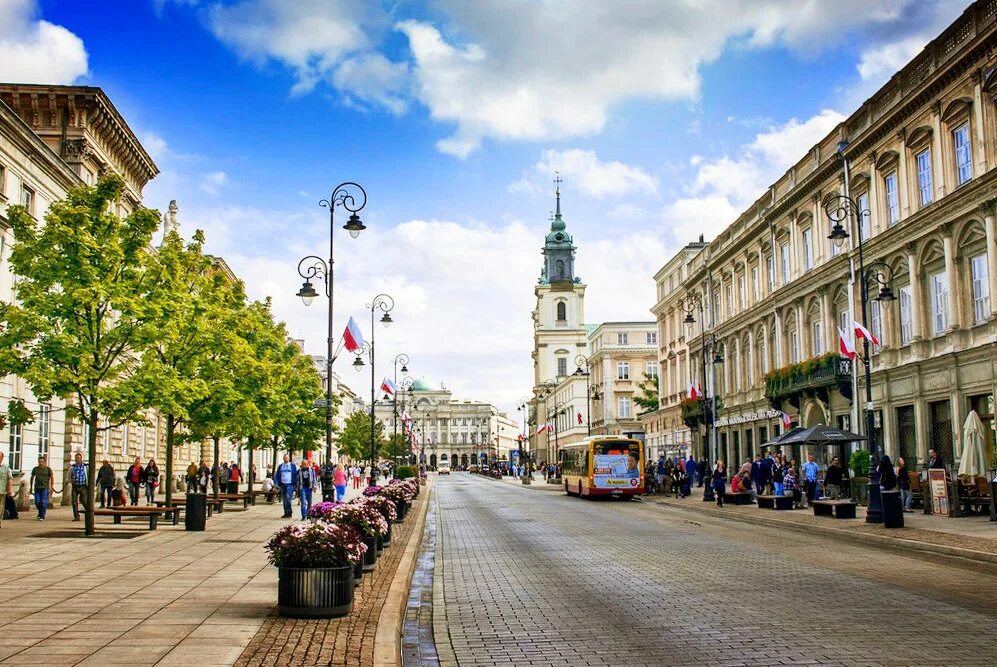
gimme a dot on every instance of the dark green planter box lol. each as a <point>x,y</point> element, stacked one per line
<point>314,592</point>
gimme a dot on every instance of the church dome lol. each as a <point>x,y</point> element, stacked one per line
<point>422,385</point>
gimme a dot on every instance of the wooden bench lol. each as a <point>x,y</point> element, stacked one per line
<point>235,497</point>
<point>839,509</point>
<point>775,502</point>
<point>258,494</point>
<point>738,498</point>
<point>151,513</point>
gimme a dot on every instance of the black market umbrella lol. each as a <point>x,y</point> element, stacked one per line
<point>782,438</point>
<point>817,435</point>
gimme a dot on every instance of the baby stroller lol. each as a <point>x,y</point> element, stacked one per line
<point>9,508</point>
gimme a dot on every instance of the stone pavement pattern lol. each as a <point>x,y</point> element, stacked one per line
<point>532,579</point>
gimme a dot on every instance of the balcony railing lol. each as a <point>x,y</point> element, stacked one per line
<point>817,375</point>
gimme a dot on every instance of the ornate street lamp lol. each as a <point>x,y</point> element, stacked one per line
<point>352,198</point>
<point>582,360</point>
<point>385,304</point>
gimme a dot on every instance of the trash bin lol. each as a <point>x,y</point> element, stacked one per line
<point>196,512</point>
<point>893,512</point>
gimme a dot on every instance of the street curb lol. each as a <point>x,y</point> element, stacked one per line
<point>388,635</point>
<point>895,543</point>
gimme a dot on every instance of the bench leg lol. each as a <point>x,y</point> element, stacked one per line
<point>117,518</point>
<point>153,521</point>
<point>176,517</point>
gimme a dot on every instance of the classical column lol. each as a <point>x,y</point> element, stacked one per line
<point>827,320</point>
<point>987,208</point>
<point>876,220</point>
<point>794,263</point>
<point>980,146</point>
<point>937,167</point>
<point>903,186</point>
<point>951,277</point>
<point>916,296</point>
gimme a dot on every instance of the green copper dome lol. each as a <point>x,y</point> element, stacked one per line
<point>422,385</point>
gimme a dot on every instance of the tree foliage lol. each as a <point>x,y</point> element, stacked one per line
<point>354,441</point>
<point>647,399</point>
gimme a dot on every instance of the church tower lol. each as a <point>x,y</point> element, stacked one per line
<point>559,333</point>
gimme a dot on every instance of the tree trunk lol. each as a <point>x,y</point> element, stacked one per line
<point>170,427</point>
<point>249,474</point>
<point>217,440</point>
<point>274,465</point>
<point>88,527</point>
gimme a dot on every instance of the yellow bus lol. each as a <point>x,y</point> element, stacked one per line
<point>604,465</point>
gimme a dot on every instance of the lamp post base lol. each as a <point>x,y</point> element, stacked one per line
<point>708,496</point>
<point>874,512</point>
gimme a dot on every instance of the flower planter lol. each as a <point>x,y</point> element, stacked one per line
<point>380,543</point>
<point>370,558</point>
<point>402,510</point>
<point>325,592</point>
<point>357,573</point>
<point>386,538</point>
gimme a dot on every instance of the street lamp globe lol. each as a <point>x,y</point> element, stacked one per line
<point>386,320</point>
<point>357,364</point>
<point>307,293</point>
<point>886,294</point>
<point>689,319</point>
<point>354,226</point>
<point>838,235</point>
<point>404,368</point>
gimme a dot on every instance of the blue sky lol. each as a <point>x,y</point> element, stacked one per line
<point>665,120</point>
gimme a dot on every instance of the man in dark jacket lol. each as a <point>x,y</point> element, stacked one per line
<point>832,479</point>
<point>286,478</point>
<point>702,470</point>
<point>935,461</point>
<point>757,476</point>
<point>105,480</point>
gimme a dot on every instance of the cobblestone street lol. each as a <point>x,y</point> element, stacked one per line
<point>529,576</point>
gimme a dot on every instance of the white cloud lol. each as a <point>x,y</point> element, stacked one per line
<point>36,51</point>
<point>373,79</point>
<point>213,181</point>
<point>154,144</point>
<point>587,174</point>
<point>880,63</point>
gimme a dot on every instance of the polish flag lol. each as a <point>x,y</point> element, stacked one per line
<point>787,422</point>
<point>352,337</point>
<point>693,394</point>
<point>862,332</point>
<point>845,345</point>
<point>389,387</point>
<point>580,421</point>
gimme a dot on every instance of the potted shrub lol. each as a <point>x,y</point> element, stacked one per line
<point>388,510</point>
<point>315,564</point>
<point>401,494</point>
<point>371,490</point>
<point>368,522</point>
<point>859,463</point>
<point>322,511</point>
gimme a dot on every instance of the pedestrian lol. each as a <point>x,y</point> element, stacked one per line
<point>339,480</point>
<point>203,478</point>
<point>328,477</point>
<point>306,483</point>
<point>758,476</point>
<point>701,470</point>
<point>887,475</point>
<point>191,476</point>
<point>80,488</point>
<point>768,468</point>
<point>355,471</point>
<point>41,482</point>
<point>832,479</point>
<point>719,482</point>
<point>789,481</point>
<point>151,481</point>
<point>935,461</point>
<point>234,477</point>
<point>810,469</point>
<point>690,471</point>
<point>660,473</point>
<point>223,477</point>
<point>134,477</point>
<point>286,478</point>
<point>903,480</point>
<point>6,478</point>
<point>778,474</point>
<point>105,480</point>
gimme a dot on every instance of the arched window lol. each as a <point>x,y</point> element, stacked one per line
<point>559,269</point>
<point>562,310</point>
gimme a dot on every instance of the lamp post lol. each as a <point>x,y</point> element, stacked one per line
<point>708,405</point>
<point>581,360</point>
<point>523,405</point>
<point>385,304</point>
<point>351,197</point>
<point>545,389</point>
<point>840,209</point>
<point>404,360</point>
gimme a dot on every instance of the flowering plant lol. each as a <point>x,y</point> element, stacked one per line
<point>394,480</point>
<point>414,485</point>
<point>322,510</point>
<point>362,517</point>
<point>385,506</point>
<point>398,492</point>
<point>372,490</point>
<point>317,544</point>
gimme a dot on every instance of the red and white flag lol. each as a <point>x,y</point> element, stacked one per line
<point>862,332</point>
<point>352,338</point>
<point>541,429</point>
<point>389,387</point>
<point>786,421</point>
<point>580,420</point>
<point>845,345</point>
<point>693,392</point>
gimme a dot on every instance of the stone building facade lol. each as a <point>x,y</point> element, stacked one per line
<point>918,158</point>
<point>620,354</point>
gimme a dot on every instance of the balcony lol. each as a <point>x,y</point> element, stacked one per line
<point>813,377</point>
<point>695,411</point>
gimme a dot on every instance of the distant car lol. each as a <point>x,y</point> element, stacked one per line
<point>484,469</point>
<point>472,468</point>
<point>443,470</point>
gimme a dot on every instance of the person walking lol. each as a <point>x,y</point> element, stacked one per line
<point>778,474</point>
<point>80,488</point>
<point>690,471</point>
<point>151,481</point>
<point>286,478</point>
<point>191,476</point>
<point>719,482</point>
<point>355,472</point>
<point>234,477</point>
<point>135,477</point>
<point>810,469</point>
<point>306,483</point>
<point>832,479</point>
<point>903,479</point>
<point>792,487</point>
<point>203,478</point>
<point>105,482</point>
<point>41,482</point>
<point>6,479</point>
<point>757,477</point>
<point>328,475</point>
<point>339,480</point>
<point>701,471</point>
<point>887,474</point>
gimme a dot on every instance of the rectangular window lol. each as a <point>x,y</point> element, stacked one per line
<point>876,323</point>
<point>817,334</point>
<point>28,199</point>
<point>771,268</point>
<point>624,407</point>
<point>621,339</point>
<point>845,320</point>
<point>865,216</point>
<point>905,306</point>
<point>145,440</point>
<point>652,368</point>
<point>716,306</point>
<point>794,348</point>
<point>981,289</point>
<point>924,186</point>
<point>755,287</point>
<point>808,249</point>
<point>763,358</point>
<point>740,294</point>
<point>107,440</point>
<point>652,338</point>
<point>622,370</point>
<point>3,182</point>
<point>124,439</point>
<point>86,435</point>
<point>562,366</point>
<point>730,301</point>
<point>14,452</point>
<point>939,303</point>
<point>784,253</point>
<point>892,198</point>
<point>963,153</point>
<point>44,428</point>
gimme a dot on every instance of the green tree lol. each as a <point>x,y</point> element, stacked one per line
<point>397,448</point>
<point>647,399</point>
<point>354,441</point>
<point>85,310</point>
